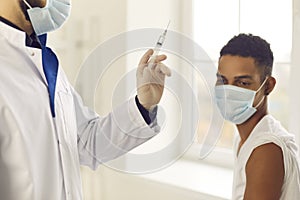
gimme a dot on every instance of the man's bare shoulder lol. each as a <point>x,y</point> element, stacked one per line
<point>265,173</point>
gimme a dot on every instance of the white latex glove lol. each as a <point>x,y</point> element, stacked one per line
<point>150,81</point>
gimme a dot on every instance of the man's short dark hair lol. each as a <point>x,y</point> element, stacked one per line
<point>248,45</point>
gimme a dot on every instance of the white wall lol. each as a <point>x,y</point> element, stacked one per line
<point>135,187</point>
<point>295,71</point>
<point>91,23</point>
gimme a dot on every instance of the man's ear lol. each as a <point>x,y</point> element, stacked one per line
<point>270,84</point>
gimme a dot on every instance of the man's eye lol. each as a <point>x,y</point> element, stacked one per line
<point>243,83</point>
<point>220,81</point>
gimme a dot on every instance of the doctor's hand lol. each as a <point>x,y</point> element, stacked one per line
<point>151,80</point>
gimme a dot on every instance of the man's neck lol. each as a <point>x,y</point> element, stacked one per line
<point>247,127</point>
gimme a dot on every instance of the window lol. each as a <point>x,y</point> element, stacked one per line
<point>217,21</point>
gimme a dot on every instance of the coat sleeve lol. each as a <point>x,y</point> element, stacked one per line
<point>101,139</point>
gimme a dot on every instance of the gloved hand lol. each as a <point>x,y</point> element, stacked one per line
<point>151,80</point>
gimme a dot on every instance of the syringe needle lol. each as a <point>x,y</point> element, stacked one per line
<point>168,25</point>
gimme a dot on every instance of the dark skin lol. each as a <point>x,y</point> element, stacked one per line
<point>265,167</point>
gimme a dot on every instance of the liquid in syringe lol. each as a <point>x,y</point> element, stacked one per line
<point>158,46</point>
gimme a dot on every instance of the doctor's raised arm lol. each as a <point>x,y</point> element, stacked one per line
<point>46,132</point>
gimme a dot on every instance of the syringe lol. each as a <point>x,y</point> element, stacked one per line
<point>158,46</point>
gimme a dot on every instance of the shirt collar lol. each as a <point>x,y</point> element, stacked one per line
<point>9,23</point>
<point>264,125</point>
<point>30,40</point>
<point>33,41</point>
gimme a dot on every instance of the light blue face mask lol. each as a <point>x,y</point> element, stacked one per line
<point>236,103</point>
<point>50,17</point>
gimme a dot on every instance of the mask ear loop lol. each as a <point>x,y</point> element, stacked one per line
<point>258,90</point>
<point>260,102</point>
<point>27,4</point>
<point>262,84</point>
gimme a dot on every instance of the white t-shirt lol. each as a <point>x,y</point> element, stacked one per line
<point>268,130</point>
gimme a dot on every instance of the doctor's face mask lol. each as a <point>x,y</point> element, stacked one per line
<point>50,17</point>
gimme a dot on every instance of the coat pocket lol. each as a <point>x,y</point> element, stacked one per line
<point>67,116</point>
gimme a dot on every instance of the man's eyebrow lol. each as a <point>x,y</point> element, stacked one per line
<point>236,77</point>
<point>244,77</point>
<point>219,75</point>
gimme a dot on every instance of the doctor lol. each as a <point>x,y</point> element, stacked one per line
<point>45,130</point>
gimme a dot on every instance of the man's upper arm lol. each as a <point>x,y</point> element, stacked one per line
<point>264,173</point>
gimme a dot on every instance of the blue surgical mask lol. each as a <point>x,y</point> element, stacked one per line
<point>50,17</point>
<point>236,103</point>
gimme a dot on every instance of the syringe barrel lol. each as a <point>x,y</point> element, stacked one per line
<point>157,48</point>
<point>160,40</point>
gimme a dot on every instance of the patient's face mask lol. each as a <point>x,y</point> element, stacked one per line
<point>236,103</point>
<point>50,17</point>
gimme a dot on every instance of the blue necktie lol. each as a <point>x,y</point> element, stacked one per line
<point>50,67</point>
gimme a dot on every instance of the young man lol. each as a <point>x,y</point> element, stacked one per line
<point>266,157</point>
<point>45,130</point>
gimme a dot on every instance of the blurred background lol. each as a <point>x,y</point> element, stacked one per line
<point>209,24</point>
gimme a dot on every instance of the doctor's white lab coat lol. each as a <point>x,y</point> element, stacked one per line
<point>40,156</point>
